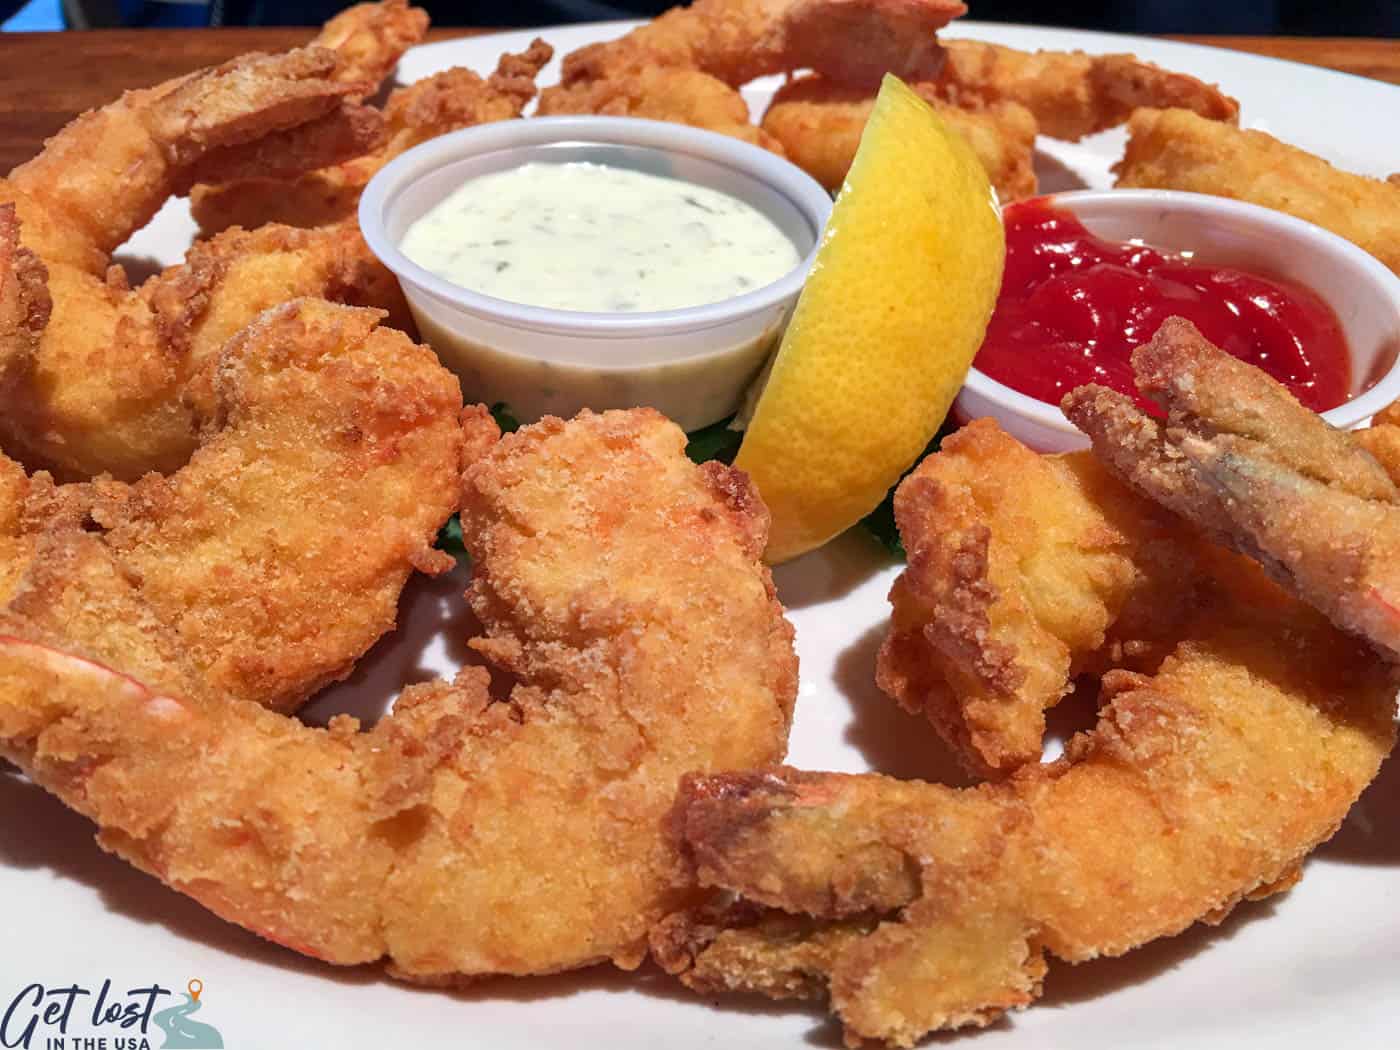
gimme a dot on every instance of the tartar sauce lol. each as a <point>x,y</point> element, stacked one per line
<point>583,236</point>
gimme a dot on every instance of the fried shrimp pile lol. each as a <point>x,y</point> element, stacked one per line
<point>1243,460</point>
<point>998,98</point>
<point>91,371</point>
<point>328,459</point>
<point>1174,149</point>
<point>623,589</point>
<point>454,99</point>
<point>1237,726</point>
<point>687,65</point>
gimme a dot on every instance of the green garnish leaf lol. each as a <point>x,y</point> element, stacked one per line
<point>449,540</point>
<point>716,441</point>
<point>504,417</point>
<point>880,521</point>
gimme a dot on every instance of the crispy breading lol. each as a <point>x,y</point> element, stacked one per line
<point>328,461</point>
<point>1071,94</point>
<point>1173,149</point>
<point>1240,457</point>
<point>1024,571</point>
<point>915,907</point>
<point>623,589</point>
<point>447,101</point>
<point>92,372</point>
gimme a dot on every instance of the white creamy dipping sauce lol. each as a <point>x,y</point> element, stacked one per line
<point>583,236</point>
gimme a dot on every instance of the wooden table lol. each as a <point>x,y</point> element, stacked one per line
<point>48,78</point>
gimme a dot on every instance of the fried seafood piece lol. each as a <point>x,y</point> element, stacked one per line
<point>1025,571</point>
<point>621,585</point>
<point>818,124</point>
<point>852,41</point>
<point>916,907</point>
<point>329,456</point>
<point>91,371</point>
<point>447,101</point>
<point>370,38</point>
<point>1240,457</point>
<point>687,65</point>
<point>1070,93</point>
<point>678,95</point>
<point>1174,149</point>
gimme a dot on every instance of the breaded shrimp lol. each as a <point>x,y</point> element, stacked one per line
<point>1024,571</point>
<point>916,907</point>
<point>818,124</point>
<point>1241,458</point>
<point>681,96</point>
<point>448,101</point>
<point>91,372</point>
<point>370,38</point>
<point>1174,149</point>
<point>1071,94</point>
<point>686,65</point>
<point>328,460</point>
<point>621,586</point>
<point>853,41</point>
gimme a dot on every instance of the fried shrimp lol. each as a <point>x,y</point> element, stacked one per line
<point>1174,149</point>
<point>818,124</point>
<point>687,65</point>
<point>681,96</point>
<point>370,38</point>
<point>328,460</point>
<point>1206,781</point>
<point>91,372</point>
<point>619,584</point>
<point>735,41</point>
<point>448,101</point>
<point>1071,94</point>
<point>916,907</point>
<point>1240,457</point>
<point>1024,571</point>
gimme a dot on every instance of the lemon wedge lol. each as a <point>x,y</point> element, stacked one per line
<point>895,308</point>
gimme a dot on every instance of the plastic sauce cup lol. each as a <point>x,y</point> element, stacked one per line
<point>692,364</point>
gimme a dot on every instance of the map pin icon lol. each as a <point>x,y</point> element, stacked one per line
<point>196,986</point>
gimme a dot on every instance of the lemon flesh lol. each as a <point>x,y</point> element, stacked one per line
<point>886,327</point>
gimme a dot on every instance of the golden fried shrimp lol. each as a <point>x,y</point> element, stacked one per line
<point>687,65</point>
<point>916,907</point>
<point>1071,94</point>
<point>91,371</point>
<point>328,460</point>
<point>681,96</point>
<point>1024,571</point>
<point>853,41</point>
<point>447,101</point>
<point>1173,149</point>
<point>1239,456</point>
<point>819,122</point>
<point>370,38</point>
<point>619,584</point>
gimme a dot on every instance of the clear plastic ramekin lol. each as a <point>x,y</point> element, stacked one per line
<point>1362,291</point>
<point>693,364</point>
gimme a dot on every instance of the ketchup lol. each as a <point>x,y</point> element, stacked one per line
<point>1073,307</point>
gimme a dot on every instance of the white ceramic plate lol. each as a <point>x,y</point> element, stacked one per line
<point>1319,966</point>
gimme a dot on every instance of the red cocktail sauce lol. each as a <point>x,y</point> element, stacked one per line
<point>1073,308</point>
